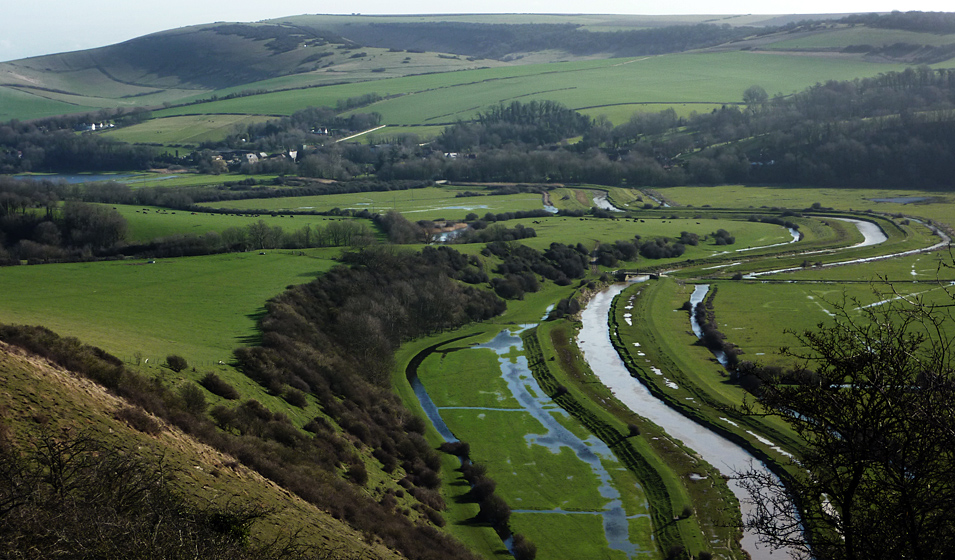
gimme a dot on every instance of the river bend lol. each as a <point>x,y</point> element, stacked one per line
<point>726,456</point>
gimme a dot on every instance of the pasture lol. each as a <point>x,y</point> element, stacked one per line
<point>658,340</point>
<point>938,206</point>
<point>150,222</point>
<point>589,231</point>
<point>190,130</point>
<point>201,308</point>
<point>758,316</point>
<point>443,98</point>
<point>428,203</point>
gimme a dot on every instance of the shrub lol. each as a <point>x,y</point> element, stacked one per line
<point>357,473</point>
<point>176,363</point>
<point>137,418</point>
<point>193,399</point>
<point>215,385</point>
<point>522,548</point>
<point>295,397</point>
<point>459,448</point>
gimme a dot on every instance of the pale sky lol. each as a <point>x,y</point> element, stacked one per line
<point>37,27</point>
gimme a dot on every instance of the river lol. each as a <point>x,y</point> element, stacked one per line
<point>726,456</point>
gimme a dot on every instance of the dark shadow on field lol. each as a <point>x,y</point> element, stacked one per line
<point>256,338</point>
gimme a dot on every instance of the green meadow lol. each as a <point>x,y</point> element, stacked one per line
<point>661,350</point>
<point>442,98</point>
<point>148,222</point>
<point>416,204</point>
<point>589,231</point>
<point>477,405</point>
<point>849,36</point>
<point>938,206</point>
<point>760,317</point>
<point>201,308</point>
<point>188,130</point>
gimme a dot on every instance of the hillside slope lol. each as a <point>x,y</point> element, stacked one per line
<point>42,398</point>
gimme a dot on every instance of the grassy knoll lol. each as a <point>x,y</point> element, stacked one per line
<point>200,308</point>
<point>146,223</point>
<point>191,130</point>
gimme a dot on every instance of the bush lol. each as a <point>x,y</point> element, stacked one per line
<point>523,549</point>
<point>137,418</point>
<point>295,397</point>
<point>193,399</point>
<point>215,385</point>
<point>176,363</point>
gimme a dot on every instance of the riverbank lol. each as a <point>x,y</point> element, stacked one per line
<point>725,454</point>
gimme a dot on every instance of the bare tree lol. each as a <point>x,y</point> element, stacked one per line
<point>873,398</point>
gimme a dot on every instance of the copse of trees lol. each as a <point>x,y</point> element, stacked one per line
<point>534,123</point>
<point>75,231</point>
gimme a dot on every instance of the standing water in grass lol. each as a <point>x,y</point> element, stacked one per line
<point>550,431</point>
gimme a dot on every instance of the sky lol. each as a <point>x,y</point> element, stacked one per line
<point>38,27</point>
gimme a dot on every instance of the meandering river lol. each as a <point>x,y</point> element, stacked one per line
<point>726,456</point>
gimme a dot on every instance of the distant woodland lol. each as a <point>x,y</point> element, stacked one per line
<point>895,130</point>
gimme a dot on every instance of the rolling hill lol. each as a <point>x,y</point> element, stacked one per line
<point>224,59</point>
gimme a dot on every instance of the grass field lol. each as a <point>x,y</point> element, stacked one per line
<point>201,308</point>
<point>757,316</point>
<point>938,206</point>
<point>147,223</point>
<point>416,204</point>
<point>189,130</point>
<point>689,376</point>
<point>847,36</point>
<point>530,476</point>
<point>18,104</point>
<point>672,79</point>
